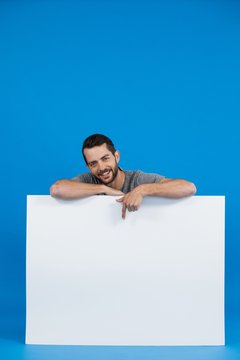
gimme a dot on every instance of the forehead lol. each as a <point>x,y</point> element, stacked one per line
<point>96,153</point>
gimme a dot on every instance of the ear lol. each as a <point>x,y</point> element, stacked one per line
<point>117,156</point>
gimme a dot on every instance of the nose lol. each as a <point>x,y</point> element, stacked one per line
<point>101,166</point>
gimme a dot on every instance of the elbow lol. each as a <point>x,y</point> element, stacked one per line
<point>192,189</point>
<point>55,189</point>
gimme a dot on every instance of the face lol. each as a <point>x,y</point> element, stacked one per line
<point>102,163</point>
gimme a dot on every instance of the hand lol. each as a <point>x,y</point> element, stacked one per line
<point>131,201</point>
<point>113,192</point>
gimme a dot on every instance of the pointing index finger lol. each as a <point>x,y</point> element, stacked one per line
<point>124,208</point>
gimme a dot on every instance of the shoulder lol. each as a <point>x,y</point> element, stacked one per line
<point>132,175</point>
<point>147,178</point>
<point>85,177</point>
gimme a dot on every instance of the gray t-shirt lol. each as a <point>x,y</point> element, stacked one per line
<point>132,179</point>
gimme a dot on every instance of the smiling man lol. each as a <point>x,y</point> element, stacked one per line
<point>107,178</point>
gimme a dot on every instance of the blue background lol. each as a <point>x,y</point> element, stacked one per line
<point>162,79</point>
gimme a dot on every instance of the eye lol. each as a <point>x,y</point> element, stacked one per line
<point>105,158</point>
<point>93,164</point>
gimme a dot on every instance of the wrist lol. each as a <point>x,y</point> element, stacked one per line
<point>141,189</point>
<point>102,189</point>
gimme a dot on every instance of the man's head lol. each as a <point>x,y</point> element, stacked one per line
<point>101,157</point>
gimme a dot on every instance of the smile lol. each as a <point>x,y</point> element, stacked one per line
<point>105,173</point>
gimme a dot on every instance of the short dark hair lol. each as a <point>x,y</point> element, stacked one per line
<point>97,140</point>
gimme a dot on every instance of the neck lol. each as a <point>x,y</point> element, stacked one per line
<point>118,181</point>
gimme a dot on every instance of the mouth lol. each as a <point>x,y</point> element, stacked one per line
<point>105,174</point>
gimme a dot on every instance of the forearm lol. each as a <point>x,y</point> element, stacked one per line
<point>69,189</point>
<point>170,189</point>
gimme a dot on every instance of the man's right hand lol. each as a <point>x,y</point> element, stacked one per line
<point>112,192</point>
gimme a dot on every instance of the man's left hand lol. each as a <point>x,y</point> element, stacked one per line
<point>131,201</point>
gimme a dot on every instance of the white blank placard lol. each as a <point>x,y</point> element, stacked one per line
<point>155,278</point>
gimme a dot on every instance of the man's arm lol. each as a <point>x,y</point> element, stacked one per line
<point>70,189</point>
<point>167,188</point>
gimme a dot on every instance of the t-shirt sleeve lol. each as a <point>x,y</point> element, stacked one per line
<point>147,178</point>
<point>83,178</point>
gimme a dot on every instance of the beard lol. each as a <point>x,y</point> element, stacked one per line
<point>111,174</point>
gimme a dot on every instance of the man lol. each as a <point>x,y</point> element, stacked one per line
<point>107,178</point>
